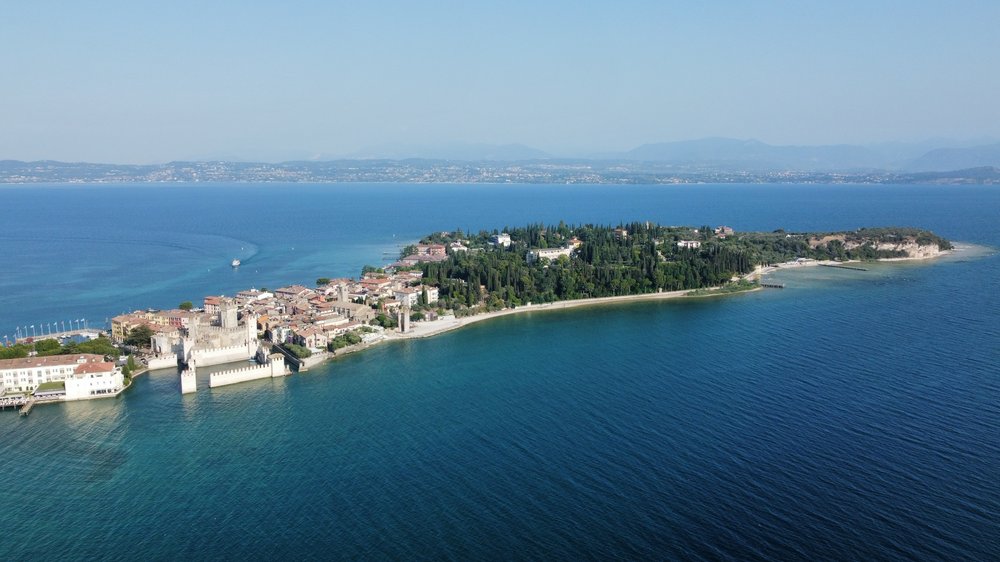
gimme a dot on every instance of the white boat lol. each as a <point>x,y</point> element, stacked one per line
<point>236,263</point>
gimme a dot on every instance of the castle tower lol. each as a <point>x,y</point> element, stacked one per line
<point>250,324</point>
<point>188,380</point>
<point>403,318</point>
<point>277,363</point>
<point>228,317</point>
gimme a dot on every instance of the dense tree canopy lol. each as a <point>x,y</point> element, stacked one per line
<point>629,259</point>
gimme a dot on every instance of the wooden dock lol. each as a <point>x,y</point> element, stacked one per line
<point>16,401</point>
<point>26,409</point>
<point>852,268</point>
<point>773,285</point>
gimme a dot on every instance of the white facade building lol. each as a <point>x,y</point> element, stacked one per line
<point>502,239</point>
<point>84,375</point>
<point>407,296</point>
<point>94,380</point>
<point>548,253</point>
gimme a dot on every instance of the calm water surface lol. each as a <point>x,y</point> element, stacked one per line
<point>850,416</point>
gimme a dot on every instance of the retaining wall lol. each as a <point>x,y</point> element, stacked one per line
<point>220,355</point>
<point>168,361</point>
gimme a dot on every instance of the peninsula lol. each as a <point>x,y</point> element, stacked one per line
<point>445,281</point>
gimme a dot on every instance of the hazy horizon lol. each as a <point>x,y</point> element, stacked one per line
<point>124,83</point>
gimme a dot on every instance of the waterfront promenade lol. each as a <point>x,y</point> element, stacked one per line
<point>89,333</point>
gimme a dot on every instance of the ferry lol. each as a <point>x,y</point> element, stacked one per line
<point>236,263</point>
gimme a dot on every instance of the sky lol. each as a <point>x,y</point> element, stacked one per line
<point>146,82</point>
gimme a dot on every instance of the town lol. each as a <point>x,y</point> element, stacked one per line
<point>303,326</point>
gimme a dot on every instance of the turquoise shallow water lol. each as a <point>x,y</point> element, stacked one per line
<point>850,416</point>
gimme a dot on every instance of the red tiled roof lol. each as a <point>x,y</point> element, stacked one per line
<point>102,367</point>
<point>50,361</point>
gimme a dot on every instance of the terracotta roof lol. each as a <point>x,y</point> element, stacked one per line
<point>49,361</point>
<point>94,368</point>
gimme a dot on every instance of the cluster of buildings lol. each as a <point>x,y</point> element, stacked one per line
<point>227,329</point>
<point>720,232</point>
<point>61,377</point>
<point>425,253</point>
<point>554,253</point>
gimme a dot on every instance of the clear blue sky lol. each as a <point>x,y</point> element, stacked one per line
<point>135,81</point>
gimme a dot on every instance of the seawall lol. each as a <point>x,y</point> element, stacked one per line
<point>275,367</point>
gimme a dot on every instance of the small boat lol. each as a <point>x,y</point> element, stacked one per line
<point>236,263</point>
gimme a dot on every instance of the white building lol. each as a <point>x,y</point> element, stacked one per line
<point>84,376</point>
<point>94,380</point>
<point>690,244</point>
<point>502,239</point>
<point>253,295</point>
<point>548,253</point>
<point>432,294</point>
<point>408,296</point>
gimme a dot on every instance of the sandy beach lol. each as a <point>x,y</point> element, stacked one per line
<point>813,263</point>
<point>447,323</point>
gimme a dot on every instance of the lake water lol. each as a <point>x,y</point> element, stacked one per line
<point>852,415</point>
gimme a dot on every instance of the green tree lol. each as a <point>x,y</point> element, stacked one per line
<point>409,250</point>
<point>47,347</point>
<point>298,350</point>
<point>139,336</point>
<point>322,281</point>
<point>16,351</point>
<point>186,305</point>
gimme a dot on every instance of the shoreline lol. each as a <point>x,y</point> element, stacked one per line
<point>958,248</point>
<point>447,324</point>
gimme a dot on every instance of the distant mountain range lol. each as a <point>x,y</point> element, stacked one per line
<point>731,154</point>
<point>466,152</point>
<point>716,160</point>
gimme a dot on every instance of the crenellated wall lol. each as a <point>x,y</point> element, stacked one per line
<point>274,367</point>
<point>221,355</point>
<point>168,361</point>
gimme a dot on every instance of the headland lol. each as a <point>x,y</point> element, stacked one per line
<point>446,281</point>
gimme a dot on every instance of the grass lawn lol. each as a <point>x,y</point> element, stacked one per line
<point>54,385</point>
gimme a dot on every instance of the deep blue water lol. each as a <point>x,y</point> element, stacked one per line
<point>850,416</point>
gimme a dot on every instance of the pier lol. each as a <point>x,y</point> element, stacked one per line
<point>13,401</point>
<point>842,267</point>
<point>26,409</point>
<point>773,285</point>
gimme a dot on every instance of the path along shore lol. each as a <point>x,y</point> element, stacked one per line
<point>448,323</point>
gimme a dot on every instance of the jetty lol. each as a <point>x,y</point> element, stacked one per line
<point>26,408</point>
<point>15,401</point>
<point>773,285</point>
<point>838,266</point>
